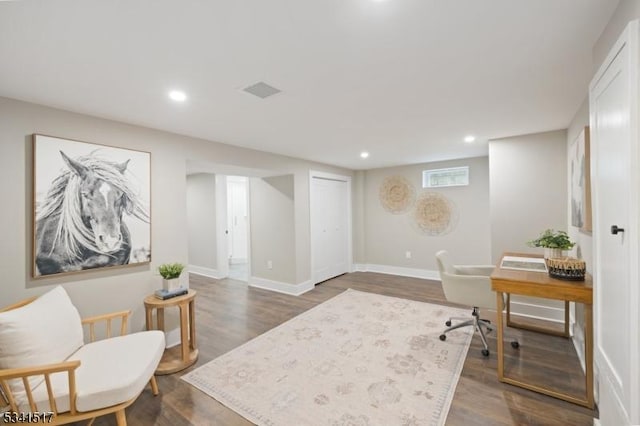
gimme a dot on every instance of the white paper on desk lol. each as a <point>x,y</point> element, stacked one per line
<point>534,264</point>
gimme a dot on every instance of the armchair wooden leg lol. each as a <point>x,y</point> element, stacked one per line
<point>91,421</point>
<point>154,386</point>
<point>121,419</point>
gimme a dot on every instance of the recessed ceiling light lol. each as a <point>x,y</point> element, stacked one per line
<point>364,154</point>
<point>177,95</point>
<point>469,138</point>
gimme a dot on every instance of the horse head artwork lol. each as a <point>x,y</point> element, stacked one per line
<point>79,224</point>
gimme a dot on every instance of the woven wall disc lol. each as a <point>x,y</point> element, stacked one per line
<point>435,214</point>
<point>397,195</point>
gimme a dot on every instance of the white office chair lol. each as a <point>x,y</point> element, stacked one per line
<point>468,285</point>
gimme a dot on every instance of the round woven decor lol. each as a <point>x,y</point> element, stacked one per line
<point>397,195</point>
<point>435,214</point>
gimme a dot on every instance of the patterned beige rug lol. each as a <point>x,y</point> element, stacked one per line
<point>357,359</point>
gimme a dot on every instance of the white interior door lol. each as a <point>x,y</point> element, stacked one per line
<point>330,230</point>
<point>237,219</point>
<point>222,243</point>
<point>613,99</point>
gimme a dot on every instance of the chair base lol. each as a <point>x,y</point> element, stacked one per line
<point>477,323</point>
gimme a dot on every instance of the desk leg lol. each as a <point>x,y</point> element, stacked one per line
<point>192,324</point>
<point>500,336</point>
<point>588,352</point>
<point>183,332</point>
<point>566,319</point>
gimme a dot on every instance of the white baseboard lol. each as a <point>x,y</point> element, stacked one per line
<point>526,309</point>
<point>541,312</point>
<point>611,408</point>
<point>206,272</point>
<point>172,337</point>
<point>280,287</point>
<point>398,270</point>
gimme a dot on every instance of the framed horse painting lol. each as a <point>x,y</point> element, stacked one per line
<point>91,206</point>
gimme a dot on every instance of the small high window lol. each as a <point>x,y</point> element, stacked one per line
<point>438,178</point>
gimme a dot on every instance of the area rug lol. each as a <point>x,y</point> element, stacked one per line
<point>358,359</point>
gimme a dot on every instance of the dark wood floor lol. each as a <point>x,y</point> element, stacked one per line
<point>229,313</point>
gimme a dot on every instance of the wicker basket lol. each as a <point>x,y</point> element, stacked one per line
<point>567,268</point>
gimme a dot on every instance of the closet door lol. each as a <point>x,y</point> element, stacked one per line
<point>613,104</point>
<point>330,230</point>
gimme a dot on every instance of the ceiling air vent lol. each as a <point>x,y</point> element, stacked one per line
<point>261,90</point>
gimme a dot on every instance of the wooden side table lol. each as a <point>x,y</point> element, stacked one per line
<point>179,357</point>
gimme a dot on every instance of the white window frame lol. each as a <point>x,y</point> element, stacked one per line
<point>427,174</point>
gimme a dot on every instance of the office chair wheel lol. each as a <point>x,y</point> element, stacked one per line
<point>448,323</point>
<point>515,344</point>
<point>443,337</point>
<point>485,352</point>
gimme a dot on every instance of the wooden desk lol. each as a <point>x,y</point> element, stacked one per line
<point>540,284</point>
<point>180,357</point>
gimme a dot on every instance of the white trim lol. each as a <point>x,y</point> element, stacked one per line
<point>347,179</point>
<point>596,422</point>
<point>280,287</point>
<point>426,177</point>
<point>206,272</point>
<point>524,309</point>
<point>172,338</point>
<point>359,267</point>
<point>535,311</point>
<point>398,270</point>
<point>610,407</point>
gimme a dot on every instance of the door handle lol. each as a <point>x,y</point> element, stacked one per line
<point>615,229</point>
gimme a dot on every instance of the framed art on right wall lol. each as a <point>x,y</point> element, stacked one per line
<point>580,182</point>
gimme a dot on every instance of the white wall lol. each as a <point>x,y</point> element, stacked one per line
<point>103,291</point>
<point>627,10</point>
<point>528,195</point>
<point>358,213</point>
<point>390,236</point>
<point>272,228</point>
<point>584,242</point>
<point>528,189</point>
<point>99,291</point>
<point>201,220</point>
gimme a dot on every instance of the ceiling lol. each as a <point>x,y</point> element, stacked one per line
<point>405,80</point>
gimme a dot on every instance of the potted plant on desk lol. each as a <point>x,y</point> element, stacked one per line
<point>553,242</point>
<point>171,275</point>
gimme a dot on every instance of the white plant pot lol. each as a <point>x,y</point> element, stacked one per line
<point>553,253</point>
<point>172,284</point>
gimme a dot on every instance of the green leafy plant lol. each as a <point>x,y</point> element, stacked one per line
<point>552,239</point>
<point>170,270</point>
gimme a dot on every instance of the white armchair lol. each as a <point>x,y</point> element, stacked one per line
<point>46,368</point>
<point>468,285</point>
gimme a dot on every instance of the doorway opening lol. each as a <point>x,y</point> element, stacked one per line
<point>238,227</point>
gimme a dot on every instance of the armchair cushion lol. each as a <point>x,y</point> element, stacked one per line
<point>112,371</point>
<point>46,331</point>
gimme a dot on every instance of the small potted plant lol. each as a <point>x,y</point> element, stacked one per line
<point>170,275</point>
<point>554,242</point>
